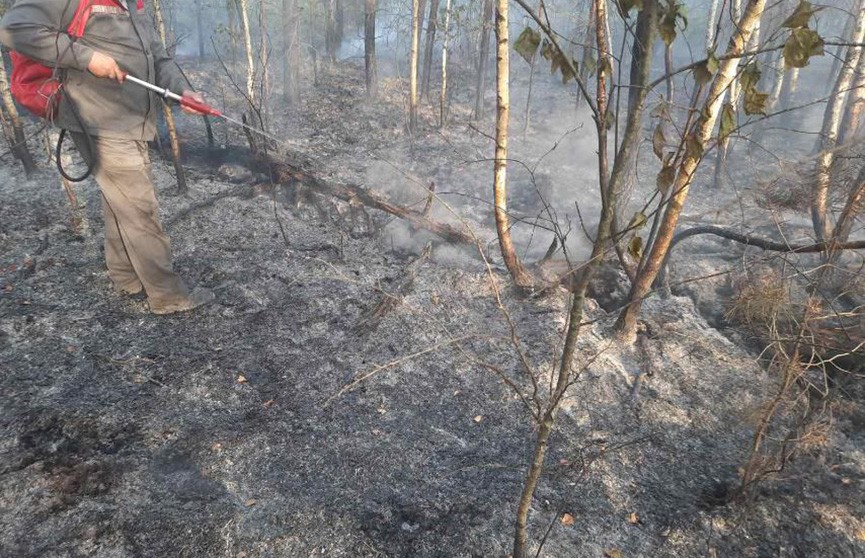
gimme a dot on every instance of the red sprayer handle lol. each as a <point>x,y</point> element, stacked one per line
<point>185,100</point>
<point>203,108</point>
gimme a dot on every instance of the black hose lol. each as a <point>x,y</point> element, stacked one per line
<point>91,147</point>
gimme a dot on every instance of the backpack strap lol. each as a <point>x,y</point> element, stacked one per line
<point>79,20</point>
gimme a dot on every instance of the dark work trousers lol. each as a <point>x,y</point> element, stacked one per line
<point>137,250</point>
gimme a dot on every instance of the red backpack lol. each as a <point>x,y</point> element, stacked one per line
<point>36,86</point>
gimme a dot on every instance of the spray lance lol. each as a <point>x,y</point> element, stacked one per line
<point>190,103</point>
<point>184,101</point>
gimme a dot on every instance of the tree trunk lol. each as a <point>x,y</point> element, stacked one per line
<point>724,144</point>
<point>232,30</point>
<point>369,48</point>
<point>432,25</point>
<point>500,168</point>
<point>413,55</point>
<point>484,53</point>
<point>443,96</point>
<point>564,373</point>
<point>291,46</point>
<point>264,61</point>
<point>642,53</point>
<point>586,63</point>
<point>199,28</point>
<point>243,8</point>
<point>700,133</point>
<point>330,35</point>
<point>850,124</point>
<point>712,25</point>
<point>527,117</point>
<point>169,116</point>
<point>831,124</point>
<point>339,23</point>
<point>852,209</point>
<point>19,139</point>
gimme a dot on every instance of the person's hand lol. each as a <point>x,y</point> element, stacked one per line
<point>103,66</point>
<point>197,97</point>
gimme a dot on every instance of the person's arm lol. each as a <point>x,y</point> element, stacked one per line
<point>168,74</point>
<point>37,29</point>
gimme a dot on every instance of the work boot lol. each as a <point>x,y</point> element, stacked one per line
<point>199,297</point>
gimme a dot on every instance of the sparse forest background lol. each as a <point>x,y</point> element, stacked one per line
<point>608,159</point>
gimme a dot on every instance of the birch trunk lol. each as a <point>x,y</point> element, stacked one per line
<point>169,116</point>
<point>712,25</point>
<point>443,96</point>
<point>850,124</point>
<point>243,8</point>
<point>831,125</point>
<point>700,132</point>
<point>500,168</point>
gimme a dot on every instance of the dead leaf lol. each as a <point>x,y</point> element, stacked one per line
<point>567,519</point>
<point>633,519</point>
<point>479,418</point>
<point>216,447</point>
<point>613,553</point>
<point>250,502</point>
<point>241,379</point>
<point>269,403</point>
<point>860,534</point>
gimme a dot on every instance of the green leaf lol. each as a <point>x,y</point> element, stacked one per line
<point>755,102</point>
<point>566,69</point>
<point>702,75</point>
<point>712,63</point>
<point>606,67</point>
<point>666,178</point>
<point>667,30</point>
<point>693,148</point>
<point>591,64</point>
<point>527,44</point>
<point>750,77</point>
<point>609,118</point>
<point>728,121</point>
<point>548,51</point>
<point>801,16</point>
<point>659,142</point>
<point>801,45</point>
<point>627,5</point>
<point>638,221</point>
<point>635,247</point>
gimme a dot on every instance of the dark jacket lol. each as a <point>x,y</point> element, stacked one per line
<point>37,29</point>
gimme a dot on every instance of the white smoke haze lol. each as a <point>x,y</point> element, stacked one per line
<point>560,146</point>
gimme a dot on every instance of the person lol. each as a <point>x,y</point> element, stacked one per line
<point>111,122</point>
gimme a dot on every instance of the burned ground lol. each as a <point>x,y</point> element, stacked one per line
<point>231,432</point>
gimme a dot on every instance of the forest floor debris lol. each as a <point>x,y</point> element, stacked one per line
<point>127,434</point>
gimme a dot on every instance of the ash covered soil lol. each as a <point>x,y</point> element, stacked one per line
<point>293,417</point>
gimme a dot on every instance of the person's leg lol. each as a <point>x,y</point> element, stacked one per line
<point>120,268</point>
<point>124,177</point>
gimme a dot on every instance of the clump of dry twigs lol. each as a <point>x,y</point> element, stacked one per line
<point>811,345</point>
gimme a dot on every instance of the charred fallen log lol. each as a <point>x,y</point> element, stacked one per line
<point>288,174</point>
